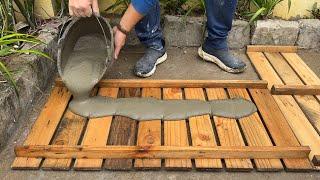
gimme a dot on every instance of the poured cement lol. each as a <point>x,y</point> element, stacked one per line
<point>84,66</point>
<point>151,108</point>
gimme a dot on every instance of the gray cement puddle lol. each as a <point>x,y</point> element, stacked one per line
<point>83,66</point>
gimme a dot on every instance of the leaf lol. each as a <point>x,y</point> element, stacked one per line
<point>7,75</point>
<point>256,15</point>
<point>31,51</point>
<point>12,41</point>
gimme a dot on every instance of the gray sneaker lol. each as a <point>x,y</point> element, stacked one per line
<point>223,59</point>
<point>147,65</point>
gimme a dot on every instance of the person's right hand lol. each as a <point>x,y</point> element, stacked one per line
<point>83,8</point>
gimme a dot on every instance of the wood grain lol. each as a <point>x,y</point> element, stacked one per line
<point>302,69</point>
<point>149,134</point>
<point>256,134</point>
<point>268,48</point>
<point>308,103</point>
<point>122,132</point>
<point>68,134</point>
<point>175,133</point>
<point>137,83</point>
<point>202,133</point>
<point>60,151</point>
<point>229,133</point>
<point>296,90</point>
<point>96,134</point>
<point>297,120</point>
<point>278,127</point>
<point>43,129</point>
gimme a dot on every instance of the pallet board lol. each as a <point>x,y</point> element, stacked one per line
<point>264,141</point>
<point>295,88</point>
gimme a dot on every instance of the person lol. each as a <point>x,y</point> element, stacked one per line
<point>144,16</point>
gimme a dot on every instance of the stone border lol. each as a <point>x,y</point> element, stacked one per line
<point>34,76</point>
<point>182,32</point>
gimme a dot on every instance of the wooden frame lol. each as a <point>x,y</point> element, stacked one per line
<point>289,76</point>
<point>265,48</point>
<point>177,152</point>
<point>120,143</point>
<point>138,83</point>
<point>295,89</point>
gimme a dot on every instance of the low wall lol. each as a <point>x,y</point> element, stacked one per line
<point>181,32</point>
<point>34,75</point>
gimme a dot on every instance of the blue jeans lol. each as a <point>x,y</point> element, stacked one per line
<point>220,14</point>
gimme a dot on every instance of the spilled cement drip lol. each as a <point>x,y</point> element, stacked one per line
<point>83,62</point>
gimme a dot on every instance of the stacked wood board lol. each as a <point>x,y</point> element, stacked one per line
<point>296,90</point>
<point>61,140</point>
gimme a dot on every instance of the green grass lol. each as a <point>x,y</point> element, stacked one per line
<point>263,9</point>
<point>11,44</point>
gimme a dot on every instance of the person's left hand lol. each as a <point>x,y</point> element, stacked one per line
<point>119,41</point>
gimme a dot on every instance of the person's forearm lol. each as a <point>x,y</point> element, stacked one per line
<point>130,18</point>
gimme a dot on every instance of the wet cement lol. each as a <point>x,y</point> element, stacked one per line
<point>151,108</point>
<point>84,68</point>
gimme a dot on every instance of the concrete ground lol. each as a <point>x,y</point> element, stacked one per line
<point>182,64</point>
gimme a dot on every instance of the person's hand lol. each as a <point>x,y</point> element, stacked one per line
<point>83,8</point>
<point>119,41</point>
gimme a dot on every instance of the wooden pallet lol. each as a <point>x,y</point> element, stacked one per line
<point>61,140</point>
<point>296,88</point>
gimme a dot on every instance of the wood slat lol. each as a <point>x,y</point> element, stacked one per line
<point>68,134</point>
<point>58,151</point>
<point>202,133</point>
<point>122,132</point>
<point>45,126</point>
<point>149,134</point>
<point>256,134</point>
<point>267,48</point>
<point>96,134</point>
<point>175,133</point>
<point>308,104</point>
<point>62,152</point>
<point>302,69</point>
<point>229,133</point>
<point>297,120</point>
<point>296,89</point>
<point>138,83</point>
<point>278,127</point>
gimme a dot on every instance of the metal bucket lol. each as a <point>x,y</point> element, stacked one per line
<point>76,28</point>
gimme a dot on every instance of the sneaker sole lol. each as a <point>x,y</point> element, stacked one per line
<point>160,60</point>
<point>210,58</point>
